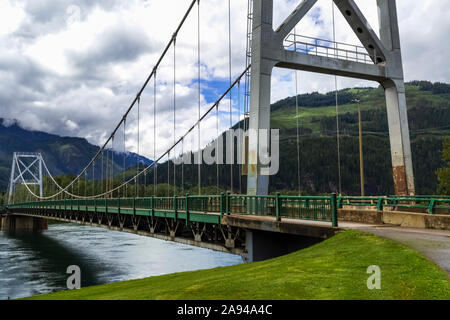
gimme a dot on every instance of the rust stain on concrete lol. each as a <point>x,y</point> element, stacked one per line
<point>400,184</point>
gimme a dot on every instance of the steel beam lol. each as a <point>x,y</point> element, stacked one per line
<point>362,29</point>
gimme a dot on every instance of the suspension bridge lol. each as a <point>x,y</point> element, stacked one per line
<point>249,222</point>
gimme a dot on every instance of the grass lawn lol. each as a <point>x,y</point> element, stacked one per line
<point>333,269</point>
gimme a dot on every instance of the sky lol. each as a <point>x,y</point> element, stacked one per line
<point>72,67</point>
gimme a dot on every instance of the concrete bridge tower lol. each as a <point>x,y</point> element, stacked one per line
<point>384,65</point>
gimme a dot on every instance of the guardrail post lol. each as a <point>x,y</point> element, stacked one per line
<point>186,204</point>
<point>95,206</point>
<point>222,204</point>
<point>134,206</point>
<point>334,210</point>
<point>228,203</point>
<point>153,207</point>
<point>175,207</point>
<point>118,206</point>
<point>106,206</point>
<point>339,202</point>
<point>431,206</point>
<point>278,206</point>
<point>380,204</point>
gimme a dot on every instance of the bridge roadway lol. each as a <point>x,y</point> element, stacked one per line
<point>256,227</point>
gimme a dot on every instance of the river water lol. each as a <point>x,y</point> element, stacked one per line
<point>36,263</point>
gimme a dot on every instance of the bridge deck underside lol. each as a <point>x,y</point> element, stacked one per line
<point>201,229</point>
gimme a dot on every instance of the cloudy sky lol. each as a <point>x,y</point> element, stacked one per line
<point>72,67</point>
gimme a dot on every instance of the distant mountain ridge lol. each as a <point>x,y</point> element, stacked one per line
<point>63,155</point>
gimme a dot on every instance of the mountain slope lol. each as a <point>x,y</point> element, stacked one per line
<point>63,155</point>
<point>429,121</point>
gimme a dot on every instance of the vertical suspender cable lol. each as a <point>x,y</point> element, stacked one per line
<point>337,105</point>
<point>217,147</point>
<point>155,168</point>
<point>101,181</point>
<point>168,174</point>
<point>199,102</point>
<point>93,179</point>
<point>297,119</point>
<point>107,172</point>
<point>174,111</point>
<point>112,166</point>
<point>124,155</point>
<point>182,167</point>
<point>231,97</point>
<point>240,136</point>
<point>136,182</point>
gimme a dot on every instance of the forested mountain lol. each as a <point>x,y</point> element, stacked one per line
<point>429,120</point>
<point>63,155</point>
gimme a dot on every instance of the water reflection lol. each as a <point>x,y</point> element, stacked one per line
<point>36,263</point>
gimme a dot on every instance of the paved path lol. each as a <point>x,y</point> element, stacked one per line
<point>434,244</point>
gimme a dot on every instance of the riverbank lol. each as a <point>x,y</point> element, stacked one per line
<point>333,269</point>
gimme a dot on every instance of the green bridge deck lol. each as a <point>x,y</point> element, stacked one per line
<point>208,209</point>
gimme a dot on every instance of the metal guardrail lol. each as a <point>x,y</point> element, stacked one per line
<point>429,204</point>
<point>278,206</point>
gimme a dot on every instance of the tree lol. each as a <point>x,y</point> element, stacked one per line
<point>444,173</point>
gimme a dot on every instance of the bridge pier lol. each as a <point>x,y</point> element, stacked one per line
<point>263,245</point>
<point>21,223</point>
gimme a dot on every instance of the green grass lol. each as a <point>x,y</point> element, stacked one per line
<point>333,269</point>
<point>287,117</point>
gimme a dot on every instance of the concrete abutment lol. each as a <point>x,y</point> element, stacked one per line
<point>12,222</point>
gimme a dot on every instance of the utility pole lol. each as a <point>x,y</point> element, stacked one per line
<point>361,157</point>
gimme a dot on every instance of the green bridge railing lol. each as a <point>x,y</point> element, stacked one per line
<point>428,204</point>
<point>320,208</point>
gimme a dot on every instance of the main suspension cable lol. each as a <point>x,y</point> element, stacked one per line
<point>154,164</point>
<point>133,103</point>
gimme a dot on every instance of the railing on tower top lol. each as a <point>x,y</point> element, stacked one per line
<point>329,49</point>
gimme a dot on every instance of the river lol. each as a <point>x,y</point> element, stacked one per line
<point>36,263</point>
